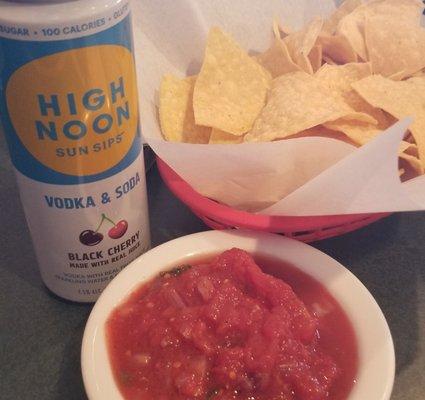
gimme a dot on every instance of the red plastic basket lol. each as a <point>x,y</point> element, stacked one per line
<point>219,216</point>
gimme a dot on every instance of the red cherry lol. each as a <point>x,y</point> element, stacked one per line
<point>118,230</point>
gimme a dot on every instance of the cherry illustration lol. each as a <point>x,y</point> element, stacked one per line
<point>90,237</point>
<point>119,228</point>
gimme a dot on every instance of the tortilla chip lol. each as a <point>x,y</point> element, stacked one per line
<point>280,30</point>
<point>176,112</point>
<point>408,148</point>
<point>394,46</point>
<point>301,43</point>
<point>408,152</point>
<point>322,131</point>
<point>408,10</point>
<point>231,88</point>
<point>297,101</point>
<point>339,78</point>
<point>417,80</point>
<point>413,162</point>
<point>277,59</point>
<point>348,6</point>
<point>352,26</point>
<point>315,57</point>
<point>419,74</point>
<point>362,132</point>
<point>328,60</point>
<point>337,48</point>
<point>398,76</point>
<point>360,117</point>
<point>400,99</point>
<point>359,133</point>
<point>221,137</point>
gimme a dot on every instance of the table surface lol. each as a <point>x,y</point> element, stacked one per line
<point>40,334</point>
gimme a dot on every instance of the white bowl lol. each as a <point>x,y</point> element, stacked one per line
<point>376,351</point>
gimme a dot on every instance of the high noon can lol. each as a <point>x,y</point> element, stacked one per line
<point>69,111</point>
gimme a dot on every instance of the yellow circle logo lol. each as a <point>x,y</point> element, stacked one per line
<point>76,111</point>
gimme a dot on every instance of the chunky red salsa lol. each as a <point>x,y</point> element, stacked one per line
<point>224,330</point>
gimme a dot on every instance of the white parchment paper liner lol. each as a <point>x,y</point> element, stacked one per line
<point>306,176</point>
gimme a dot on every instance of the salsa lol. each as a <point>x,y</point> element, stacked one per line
<point>224,329</point>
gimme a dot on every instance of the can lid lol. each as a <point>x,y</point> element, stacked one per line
<point>56,12</point>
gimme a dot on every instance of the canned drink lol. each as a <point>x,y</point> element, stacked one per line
<point>69,110</point>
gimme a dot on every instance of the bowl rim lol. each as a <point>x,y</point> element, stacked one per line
<point>375,345</point>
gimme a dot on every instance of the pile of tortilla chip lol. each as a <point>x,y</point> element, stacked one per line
<point>348,77</point>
